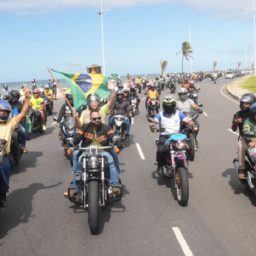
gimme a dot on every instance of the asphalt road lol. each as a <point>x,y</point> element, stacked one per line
<point>219,219</point>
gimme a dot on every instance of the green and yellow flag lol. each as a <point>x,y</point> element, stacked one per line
<point>82,85</point>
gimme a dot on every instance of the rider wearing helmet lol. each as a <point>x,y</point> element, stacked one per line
<point>37,104</point>
<point>169,121</point>
<point>185,104</point>
<point>246,101</point>
<point>48,92</point>
<point>93,103</point>
<point>7,126</point>
<point>65,109</point>
<point>249,132</point>
<point>152,94</point>
<point>121,107</point>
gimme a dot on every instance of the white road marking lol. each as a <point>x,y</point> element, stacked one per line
<point>205,114</point>
<point>230,130</point>
<point>184,246</point>
<point>140,151</point>
<point>229,98</point>
<point>132,120</point>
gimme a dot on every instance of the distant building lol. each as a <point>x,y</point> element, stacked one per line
<point>94,69</point>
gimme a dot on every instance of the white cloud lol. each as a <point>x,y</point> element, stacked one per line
<point>230,8</point>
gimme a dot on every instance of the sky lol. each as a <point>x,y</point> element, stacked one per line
<point>66,35</point>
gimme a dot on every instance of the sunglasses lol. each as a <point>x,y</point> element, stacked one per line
<point>96,118</point>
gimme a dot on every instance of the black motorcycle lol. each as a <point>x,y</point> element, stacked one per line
<point>48,106</point>
<point>67,132</point>
<point>36,122</point>
<point>152,107</point>
<point>95,191</point>
<point>250,181</point>
<point>193,95</point>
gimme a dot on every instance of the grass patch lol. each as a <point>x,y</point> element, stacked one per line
<point>250,84</point>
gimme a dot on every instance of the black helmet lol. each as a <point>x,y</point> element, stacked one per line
<point>69,97</point>
<point>169,105</point>
<point>247,98</point>
<point>253,108</point>
<point>119,95</point>
<point>15,94</point>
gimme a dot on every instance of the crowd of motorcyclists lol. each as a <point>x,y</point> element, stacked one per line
<point>107,123</point>
<point>22,113</point>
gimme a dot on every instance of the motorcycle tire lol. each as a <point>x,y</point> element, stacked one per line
<point>182,186</point>
<point>191,137</point>
<point>93,207</point>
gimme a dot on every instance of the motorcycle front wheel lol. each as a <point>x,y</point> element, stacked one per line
<point>93,207</point>
<point>182,186</point>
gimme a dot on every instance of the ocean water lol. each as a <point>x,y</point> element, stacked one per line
<point>40,83</point>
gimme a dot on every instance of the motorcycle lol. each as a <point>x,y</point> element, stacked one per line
<point>36,122</point>
<point>250,181</point>
<point>171,85</point>
<point>176,165</point>
<point>119,138</point>
<point>133,101</point>
<point>48,106</point>
<point>67,132</point>
<point>193,95</point>
<point>95,191</point>
<point>152,107</point>
<point>2,155</point>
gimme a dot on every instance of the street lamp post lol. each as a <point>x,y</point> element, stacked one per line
<point>101,12</point>
<point>253,10</point>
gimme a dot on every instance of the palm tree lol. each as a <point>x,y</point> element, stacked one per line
<point>187,52</point>
<point>163,65</point>
<point>215,65</point>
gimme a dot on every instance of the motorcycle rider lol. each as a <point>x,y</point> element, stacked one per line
<point>95,133</point>
<point>169,121</point>
<point>93,103</point>
<point>20,136</point>
<point>121,107</point>
<point>239,118</point>
<point>37,104</point>
<point>249,133</point>
<point>7,125</point>
<point>48,93</point>
<point>152,94</point>
<point>65,109</point>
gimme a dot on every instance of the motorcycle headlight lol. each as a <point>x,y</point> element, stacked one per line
<point>180,145</point>
<point>93,163</point>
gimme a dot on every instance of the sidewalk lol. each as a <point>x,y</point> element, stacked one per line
<point>235,90</point>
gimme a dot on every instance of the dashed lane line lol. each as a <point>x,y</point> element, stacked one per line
<point>205,114</point>
<point>140,151</point>
<point>183,244</point>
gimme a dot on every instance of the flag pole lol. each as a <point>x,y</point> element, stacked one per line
<point>63,94</point>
